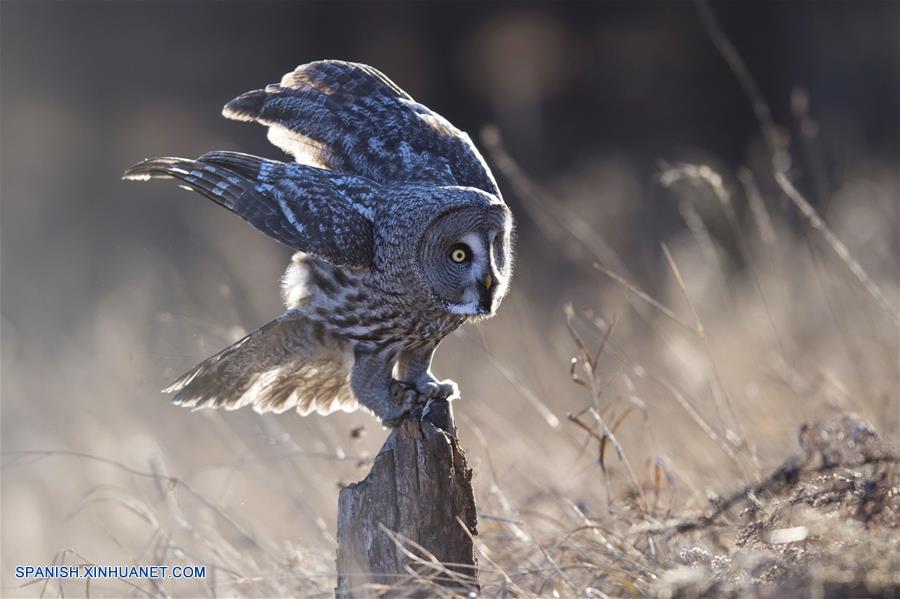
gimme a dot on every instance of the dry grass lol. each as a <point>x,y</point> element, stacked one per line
<point>822,523</point>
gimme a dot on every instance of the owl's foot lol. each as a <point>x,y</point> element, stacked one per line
<point>434,405</point>
<point>435,389</point>
<point>406,400</point>
<point>416,400</point>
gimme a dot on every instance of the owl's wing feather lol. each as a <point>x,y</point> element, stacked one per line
<point>309,209</point>
<point>288,363</point>
<point>351,118</point>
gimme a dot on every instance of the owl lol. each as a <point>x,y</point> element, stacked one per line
<point>400,232</point>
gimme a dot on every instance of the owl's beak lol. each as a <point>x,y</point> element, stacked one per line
<point>486,302</point>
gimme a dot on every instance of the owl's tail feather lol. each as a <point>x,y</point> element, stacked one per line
<point>290,362</point>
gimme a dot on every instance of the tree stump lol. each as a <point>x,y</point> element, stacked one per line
<point>409,524</point>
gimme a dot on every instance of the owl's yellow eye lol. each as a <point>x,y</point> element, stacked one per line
<point>459,253</point>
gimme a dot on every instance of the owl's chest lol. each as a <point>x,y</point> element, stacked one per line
<point>353,308</point>
<point>365,317</point>
<point>379,323</point>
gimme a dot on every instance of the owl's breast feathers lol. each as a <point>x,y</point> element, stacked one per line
<point>349,305</point>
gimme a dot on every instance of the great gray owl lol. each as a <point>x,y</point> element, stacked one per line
<point>401,231</point>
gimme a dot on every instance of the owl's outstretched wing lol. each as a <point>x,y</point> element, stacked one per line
<point>351,118</point>
<point>313,210</point>
<point>288,363</point>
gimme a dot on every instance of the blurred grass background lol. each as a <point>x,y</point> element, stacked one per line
<point>110,290</point>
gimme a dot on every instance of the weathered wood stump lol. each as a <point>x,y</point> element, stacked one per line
<point>403,528</point>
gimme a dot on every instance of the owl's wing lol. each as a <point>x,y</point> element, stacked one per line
<point>290,362</point>
<point>351,118</point>
<point>313,210</point>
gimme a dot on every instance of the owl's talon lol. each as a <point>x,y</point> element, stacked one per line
<point>439,389</point>
<point>406,398</point>
<point>416,401</point>
<point>425,409</point>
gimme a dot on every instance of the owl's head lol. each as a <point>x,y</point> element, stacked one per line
<point>465,254</point>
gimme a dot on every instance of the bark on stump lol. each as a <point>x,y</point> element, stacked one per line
<point>415,497</point>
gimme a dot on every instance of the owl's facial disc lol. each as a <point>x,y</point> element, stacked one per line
<point>465,260</point>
